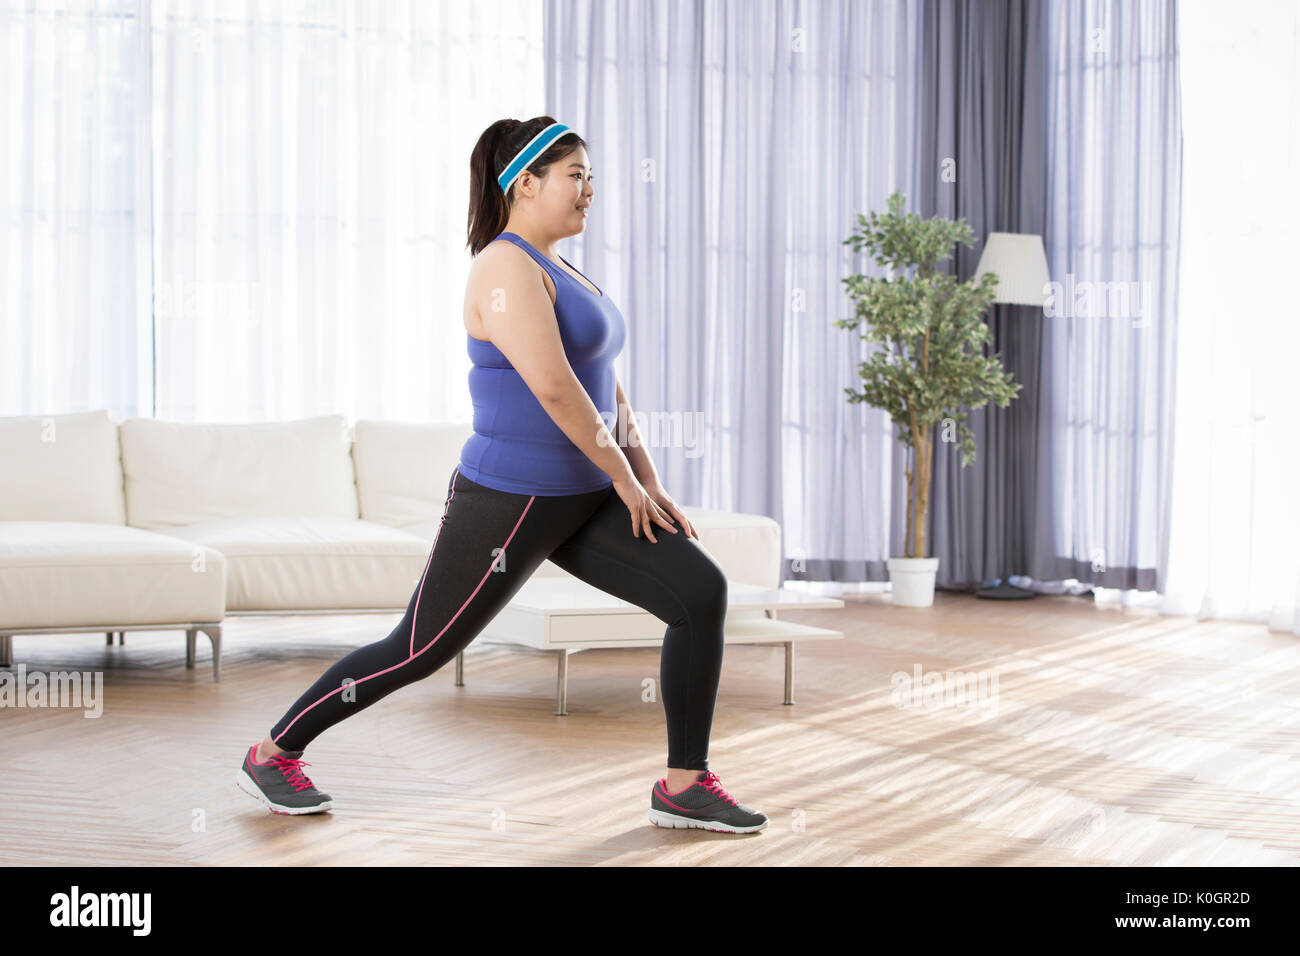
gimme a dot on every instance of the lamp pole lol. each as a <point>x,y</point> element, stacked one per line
<point>1020,263</point>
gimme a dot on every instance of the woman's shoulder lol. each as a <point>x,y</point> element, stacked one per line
<point>503,262</point>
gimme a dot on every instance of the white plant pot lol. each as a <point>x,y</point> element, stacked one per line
<point>911,580</point>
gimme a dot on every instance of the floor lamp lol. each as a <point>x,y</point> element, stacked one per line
<point>1020,263</point>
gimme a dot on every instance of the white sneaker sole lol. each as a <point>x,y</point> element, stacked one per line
<point>250,787</point>
<point>671,820</point>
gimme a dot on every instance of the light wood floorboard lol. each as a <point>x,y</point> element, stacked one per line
<point>1117,736</point>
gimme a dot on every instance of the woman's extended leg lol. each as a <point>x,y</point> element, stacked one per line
<point>489,544</point>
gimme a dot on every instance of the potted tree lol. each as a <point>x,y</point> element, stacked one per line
<point>930,368</point>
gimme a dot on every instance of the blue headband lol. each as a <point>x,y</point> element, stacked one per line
<point>536,146</point>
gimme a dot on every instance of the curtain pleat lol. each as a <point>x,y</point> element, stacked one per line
<point>736,142</point>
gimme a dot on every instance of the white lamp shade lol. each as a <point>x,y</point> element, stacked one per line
<point>1021,266</point>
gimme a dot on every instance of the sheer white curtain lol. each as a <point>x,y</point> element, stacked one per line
<point>762,128</point>
<point>74,292</point>
<point>1109,356</point>
<point>228,210</point>
<point>1234,551</point>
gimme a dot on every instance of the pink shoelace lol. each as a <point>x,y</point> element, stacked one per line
<point>292,770</point>
<point>712,784</point>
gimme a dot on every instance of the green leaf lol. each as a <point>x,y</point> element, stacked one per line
<point>928,329</point>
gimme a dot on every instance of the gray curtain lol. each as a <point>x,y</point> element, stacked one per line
<point>733,144</point>
<point>983,107</point>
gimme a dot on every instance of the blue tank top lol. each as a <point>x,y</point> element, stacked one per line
<point>516,445</point>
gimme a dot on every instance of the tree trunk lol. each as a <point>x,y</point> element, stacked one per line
<point>907,537</point>
<point>924,453</point>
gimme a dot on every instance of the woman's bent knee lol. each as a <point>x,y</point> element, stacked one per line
<point>706,593</point>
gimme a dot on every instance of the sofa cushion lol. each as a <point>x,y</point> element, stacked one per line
<point>80,574</point>
<point>181,473</point>
<point>61,468</point>
<point>299,563</point>
<point>404,470</point>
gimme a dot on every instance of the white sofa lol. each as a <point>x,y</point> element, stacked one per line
<point>159,525</point>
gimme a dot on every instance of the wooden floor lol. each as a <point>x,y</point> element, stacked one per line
<point>1115,737</point>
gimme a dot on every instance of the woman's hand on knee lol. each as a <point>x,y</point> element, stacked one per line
<point>643,508</point>
<point>664,500</point>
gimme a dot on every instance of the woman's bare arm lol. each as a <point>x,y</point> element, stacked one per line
<point>644,468</point>
<point>634,448</point>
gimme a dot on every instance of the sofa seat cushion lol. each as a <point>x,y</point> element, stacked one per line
<point>77,574</point>
<point>304,562</point>
<point>747,547</point>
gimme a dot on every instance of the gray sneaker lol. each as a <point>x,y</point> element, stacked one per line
<point>703,805</point>
<point>280,784</point>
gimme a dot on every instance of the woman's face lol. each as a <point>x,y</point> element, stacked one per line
<point>566,190</point>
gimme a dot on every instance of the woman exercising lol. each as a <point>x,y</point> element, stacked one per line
<point>541,477</point>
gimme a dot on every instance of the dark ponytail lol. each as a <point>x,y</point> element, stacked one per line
<point>489,208</point>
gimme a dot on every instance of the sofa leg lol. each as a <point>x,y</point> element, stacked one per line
<point>191,636</point>
<point>562,683</point>
<point>789,672</point>
<point>108,635</point>
<point>6,650</point>
<point>214,635</point>
<point>121,638</point>
<point>460,669</point>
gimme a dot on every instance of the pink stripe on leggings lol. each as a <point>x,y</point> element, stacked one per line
<point>495,558</point>
<point>455,474</point>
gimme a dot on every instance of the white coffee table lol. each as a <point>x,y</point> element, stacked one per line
<point>565,614</point>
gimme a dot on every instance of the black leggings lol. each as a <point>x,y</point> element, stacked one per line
<point>489,543</point>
